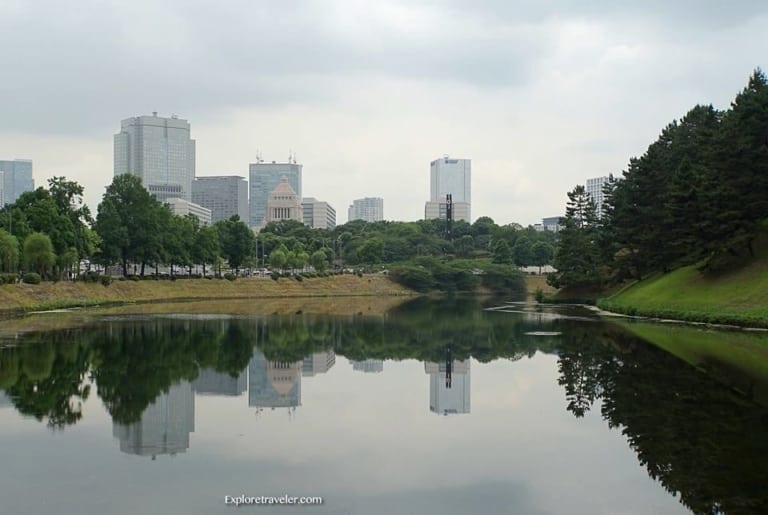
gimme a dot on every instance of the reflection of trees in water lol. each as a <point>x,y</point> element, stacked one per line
<point>695,436</point>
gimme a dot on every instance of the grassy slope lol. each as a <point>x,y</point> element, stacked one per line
<point>737,358</point>
<point>27,297</point>
<point>740,296</point>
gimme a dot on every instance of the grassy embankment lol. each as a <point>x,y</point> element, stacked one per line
<point>737,297</point>
<point>736,358</point>
<point>18,298</point>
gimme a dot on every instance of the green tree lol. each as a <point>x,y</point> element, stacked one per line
<point>236,241</point>
<point>502,253</point>
<point>9,252</point>
<point>278,259</point>
<point>206,248</point>
<point>523,252</point>
<point>130,224</point>
<point>542,254</point>
<point>38,253</point>
<point>319,260</point>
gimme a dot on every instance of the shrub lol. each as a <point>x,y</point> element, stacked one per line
<point>8,278</point>
<point>539,295</point>
<point>299,278</point>
<point>134,278</point>
<point>31,278</point>
<point>230,276</point>
<point>275,276</point>
<point>105,280</point>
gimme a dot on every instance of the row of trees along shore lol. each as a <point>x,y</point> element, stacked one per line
<point>699,194</point>
<point>50,231</point>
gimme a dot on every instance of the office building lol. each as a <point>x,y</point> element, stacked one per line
<point>164,427</point>
<point>16,179</point>
<point>439,209</point>
<point>225,195</point>
<point>182,207</point>
<point>369,209</point>
<point>318,363</point>
<point>263,178</point>
<point>551,223</point>
<point>318,214</point>
<point>369,366</point>
<point>211,382</point>
<point>160,151</point>
<point>449,387</point>
<point>595,192</point>
<point>450,177</point>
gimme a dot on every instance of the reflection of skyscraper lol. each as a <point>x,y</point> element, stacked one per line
<point>448,387</point>
<point>273,384</point>
<point>318,363</point>
<point>164,426</point>
<point>210,382</point>
<point>368,365</point>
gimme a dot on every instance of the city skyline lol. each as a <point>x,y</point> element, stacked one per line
<point>539,96</point>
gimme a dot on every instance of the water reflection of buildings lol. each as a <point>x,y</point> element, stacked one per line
<point>371,366</point>
<point>5,400</point>
<point>276,384</point>
<point>164,426</point>
<point>210,382</point>
<point>449,384</point>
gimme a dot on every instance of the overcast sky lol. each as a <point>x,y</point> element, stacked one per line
<point>541,95</point>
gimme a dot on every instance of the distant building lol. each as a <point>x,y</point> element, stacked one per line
<point>318,363</point>
<point>369,209</point>
<point>449,389</point>
<point>283,204</point>
<point>182,207</point>
<point>450,177</point>
<point>318,214</point>
<point>16,179</point>
<point>158,150</point>
<point>263,179</point>
<point>595,192</point>
<point>224,195</point>
<point>370,366</point>
<point>439,209</point>
<point>164,426</point>
<point>210,382</point>
<point>551,223</point>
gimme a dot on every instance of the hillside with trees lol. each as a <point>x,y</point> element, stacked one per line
<point>698,197</point>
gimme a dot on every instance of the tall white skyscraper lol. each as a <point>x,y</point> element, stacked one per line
<point>160,151</point>
<point>450,177</point>
<point>370,209</point>
<point>263,179</point>
<point>16,178</point>
<point>595,192</point>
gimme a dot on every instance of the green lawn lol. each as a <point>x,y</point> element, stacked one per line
<point>738,297</point>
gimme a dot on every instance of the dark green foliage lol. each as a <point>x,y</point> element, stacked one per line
<point>299,277</point>
<point>8,278</point>
<point>31,278</point>
<point>105,280</point>
<point>230,277</point>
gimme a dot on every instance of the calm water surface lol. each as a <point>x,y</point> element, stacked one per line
<point>440,407</point>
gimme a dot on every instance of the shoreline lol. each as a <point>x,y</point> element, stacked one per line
<point>21,299</point>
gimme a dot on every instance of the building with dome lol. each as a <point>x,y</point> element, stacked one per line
<point>283,204</point>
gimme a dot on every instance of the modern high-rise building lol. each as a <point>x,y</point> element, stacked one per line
<point>16,178</point>
<point>369,209</point>
<point>263,178</point>
<point>224,195</point>
<point>318,214</point>
<point>164,426</point>
<point>160,151</point>
<point>318,363</point>
<point>595,192</point>
<point>450,177</point>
